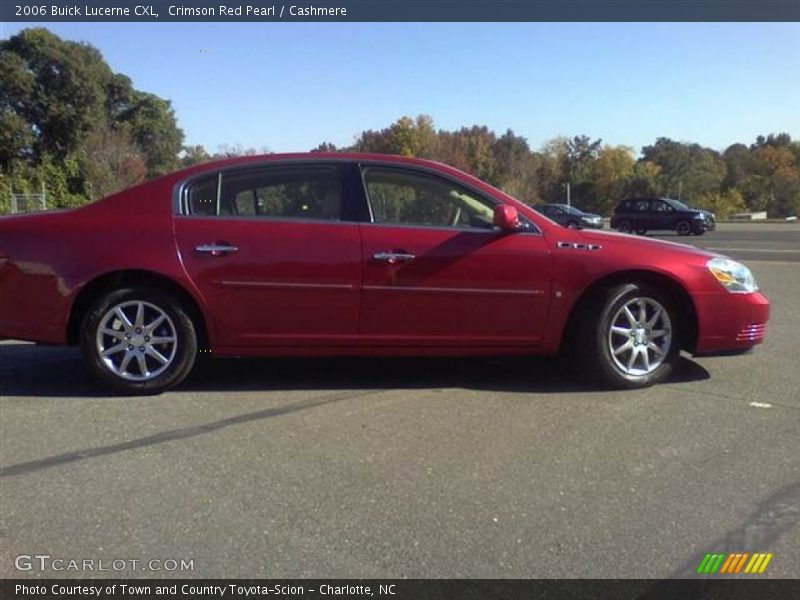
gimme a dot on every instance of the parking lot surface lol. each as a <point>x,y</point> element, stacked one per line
<point>414,467</point>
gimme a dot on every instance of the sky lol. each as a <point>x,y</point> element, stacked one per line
<point>286,87</point>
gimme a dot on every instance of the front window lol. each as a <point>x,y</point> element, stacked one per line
<point>662,207</point>
<point>401,197</point>
<point>678,204</point>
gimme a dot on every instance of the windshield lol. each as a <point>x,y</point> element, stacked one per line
<point>571,210</point>
<point>676,204</point>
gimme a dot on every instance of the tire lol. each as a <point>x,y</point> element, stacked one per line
<point>683,228</point>
<point>573,225</point>
<point>120,353</point>
<point>608,353</point>
<point>624,226</point>
<point>641,231</point>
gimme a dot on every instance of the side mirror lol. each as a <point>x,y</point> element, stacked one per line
<point>506,217</point>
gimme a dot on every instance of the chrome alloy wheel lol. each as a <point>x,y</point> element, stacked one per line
<point>640,336</point>
<point>136,340</point>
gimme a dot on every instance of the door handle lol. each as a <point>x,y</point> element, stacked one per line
<point>393,258</point>
<point>218,249</point>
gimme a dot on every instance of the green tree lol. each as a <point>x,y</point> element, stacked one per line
<point>686,171</point>
<point>610,174</point>
<point>62,107</point>
<point>194,155</point>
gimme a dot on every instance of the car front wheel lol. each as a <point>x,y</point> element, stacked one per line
<point>139,340</point>
<point>634,343</point>
<point>624,227</point>
<point>683,228</point>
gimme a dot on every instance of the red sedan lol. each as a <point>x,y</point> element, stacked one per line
<point>345,254</point>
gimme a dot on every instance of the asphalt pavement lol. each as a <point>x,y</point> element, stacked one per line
<point>414,467</point>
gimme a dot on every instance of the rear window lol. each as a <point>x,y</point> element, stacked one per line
<point>299,192</point>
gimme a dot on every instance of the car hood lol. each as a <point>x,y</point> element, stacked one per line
<point>643,244</point>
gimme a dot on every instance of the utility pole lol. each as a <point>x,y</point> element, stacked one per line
<point>568,195</point>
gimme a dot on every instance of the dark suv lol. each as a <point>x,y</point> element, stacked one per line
<point>648,214</point>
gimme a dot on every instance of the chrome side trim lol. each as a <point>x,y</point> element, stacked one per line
<point>286,285</point>
<point>452,290</point>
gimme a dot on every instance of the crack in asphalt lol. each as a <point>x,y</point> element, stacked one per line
<point>177,434</point>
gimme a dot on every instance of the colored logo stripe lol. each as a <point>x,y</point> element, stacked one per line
<point>734,562</point>
<point>710,563</point>
<point>758,563</point>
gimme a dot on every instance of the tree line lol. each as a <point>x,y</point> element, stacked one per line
<point>762,176</point>
<point>72,127</point>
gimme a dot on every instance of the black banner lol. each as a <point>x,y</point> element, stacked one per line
<point>392,589</point>
<point>399,10</point>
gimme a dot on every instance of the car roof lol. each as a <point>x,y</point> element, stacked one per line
<point>311,156</point>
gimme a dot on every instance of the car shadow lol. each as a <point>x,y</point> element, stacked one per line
<point>31,371</point>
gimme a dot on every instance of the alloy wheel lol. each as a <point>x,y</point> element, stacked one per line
<point>640,336</point>
<point>136,340</point>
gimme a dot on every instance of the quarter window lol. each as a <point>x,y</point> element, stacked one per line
<point>401,197</point>
<point>201,197</point>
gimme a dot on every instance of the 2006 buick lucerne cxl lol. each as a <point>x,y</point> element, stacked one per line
<point>355,254</point>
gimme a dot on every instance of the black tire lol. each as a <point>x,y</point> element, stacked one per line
<point>179,327</point>
<point>641,231</point>
<point>624,226</point>
<point>573,225</point>
<point>683,228</point>
<point>593,336</point>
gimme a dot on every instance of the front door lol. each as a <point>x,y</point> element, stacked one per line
<point>270,253</point>
<point>437,273</point>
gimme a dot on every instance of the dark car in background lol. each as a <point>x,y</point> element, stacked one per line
<point>661,214</point>
<point>569,216</point>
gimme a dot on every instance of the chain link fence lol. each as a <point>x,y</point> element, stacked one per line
<point>22,203</point>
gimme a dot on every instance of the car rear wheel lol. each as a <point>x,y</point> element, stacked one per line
<point>634,343</point>
<point>641,231</point>
<point>139,340</point>
<point>624,227</point>
<point>683,228</point>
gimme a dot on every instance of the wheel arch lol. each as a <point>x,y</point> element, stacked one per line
<point>677,293</point>
<point>102,284</point>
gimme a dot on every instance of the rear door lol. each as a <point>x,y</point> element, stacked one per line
<point>642,214</point>
<point>272,252</point>
<point>437,273</point>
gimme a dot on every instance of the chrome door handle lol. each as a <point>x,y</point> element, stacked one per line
<point>393,257</point>
<point>216,249</point>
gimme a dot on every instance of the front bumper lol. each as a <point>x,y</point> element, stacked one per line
<point>706,224</point>
<point>730,322</point>
<point>592,224</point>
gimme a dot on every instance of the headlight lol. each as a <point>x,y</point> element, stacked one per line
<point>700,216</point>
<point>733,276</point>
